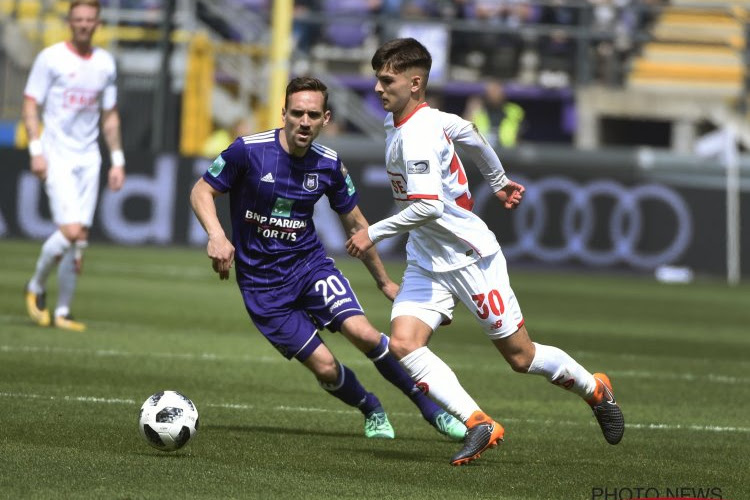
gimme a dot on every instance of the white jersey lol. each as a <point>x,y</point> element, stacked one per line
<point>73,90</point>
<point>422,164</point>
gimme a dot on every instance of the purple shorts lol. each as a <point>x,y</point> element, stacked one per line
<point>290,316</point>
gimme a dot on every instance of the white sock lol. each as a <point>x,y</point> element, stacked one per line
<point>52,249</point>
<point>66,281</point>
<point>441,383</point>
<point>562,370</point>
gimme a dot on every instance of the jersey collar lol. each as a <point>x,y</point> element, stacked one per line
<point>406,118</point>
<point>72,48</point>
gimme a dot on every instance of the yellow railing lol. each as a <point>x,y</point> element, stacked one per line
<point>196,96</point>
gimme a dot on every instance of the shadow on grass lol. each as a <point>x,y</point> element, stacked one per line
<point>267,429</point>
<point>400,437</point>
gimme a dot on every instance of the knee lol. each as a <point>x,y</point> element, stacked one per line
<point>521,359</point>
<point>327,372</point>
<point>74,232</point>
<point>408,334</point>
<point>518,350</point>
<point>400,347</point>
<point>323,365</point>
<point>520,362</point>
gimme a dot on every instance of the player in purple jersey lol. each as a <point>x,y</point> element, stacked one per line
<point>291,288</point>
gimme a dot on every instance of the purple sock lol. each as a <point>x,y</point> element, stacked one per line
<point>348,389</point>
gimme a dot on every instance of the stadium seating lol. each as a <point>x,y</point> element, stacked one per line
<point>694,48</point>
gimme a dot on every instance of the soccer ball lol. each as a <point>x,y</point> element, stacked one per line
<point>168,420</point>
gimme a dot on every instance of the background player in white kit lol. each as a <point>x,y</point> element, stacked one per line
<point>75,84</point>
<point>452,255</point>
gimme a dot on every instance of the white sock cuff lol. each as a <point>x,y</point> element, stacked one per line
<point>537,364</point>
<point>442,386</point>
<point>413,361</point>
<point>380,355</point>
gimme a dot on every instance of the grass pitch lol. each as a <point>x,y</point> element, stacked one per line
<point>160,319</point>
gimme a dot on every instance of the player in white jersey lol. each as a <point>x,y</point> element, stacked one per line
<point>74,83</point>
<point>452,255</point>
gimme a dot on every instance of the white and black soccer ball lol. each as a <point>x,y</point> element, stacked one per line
<point>168,420</point>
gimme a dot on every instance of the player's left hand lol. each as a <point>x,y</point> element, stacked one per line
<point>511,195</point>
<point>116,178</point>
<point>358,245</point>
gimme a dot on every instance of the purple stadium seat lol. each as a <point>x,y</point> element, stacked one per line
<point>346,33</point>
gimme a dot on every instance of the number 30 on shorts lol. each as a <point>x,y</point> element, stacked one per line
<point>485,303</point>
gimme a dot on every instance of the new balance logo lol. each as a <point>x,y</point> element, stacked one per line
<point>561,381</point>
<point>267,178</point>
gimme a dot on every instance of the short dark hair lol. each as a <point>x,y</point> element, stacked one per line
<point>303,83</point>
<point>401,54</point>
<point>90,3</point>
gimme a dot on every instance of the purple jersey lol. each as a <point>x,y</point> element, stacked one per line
<point>272,196</point>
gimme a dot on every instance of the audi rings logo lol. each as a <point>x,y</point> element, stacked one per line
<point>581,212</point>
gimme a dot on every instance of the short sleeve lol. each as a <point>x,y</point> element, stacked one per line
<point>227,167</point>
<point>109,96</point>
<point>342,195</point>
<point>39,80</point>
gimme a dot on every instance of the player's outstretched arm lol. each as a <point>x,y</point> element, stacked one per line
<point>219,249</point>
<point>467,136</point>
<point>355,224</point>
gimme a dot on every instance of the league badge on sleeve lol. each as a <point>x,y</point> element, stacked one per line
<point>418,167</point>
<point>350,189</point>
<point>217,166</point>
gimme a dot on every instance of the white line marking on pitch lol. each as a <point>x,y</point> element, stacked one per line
<point>302,409</point>
<point>206,356</point>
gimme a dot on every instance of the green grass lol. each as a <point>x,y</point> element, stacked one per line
<point>159,319</point>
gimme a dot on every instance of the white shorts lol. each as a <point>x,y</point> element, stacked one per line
<point>483,287</point>
<point>72,186</point>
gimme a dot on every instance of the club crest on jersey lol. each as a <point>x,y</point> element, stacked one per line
<point>418,167</point>
<point>311,182</point>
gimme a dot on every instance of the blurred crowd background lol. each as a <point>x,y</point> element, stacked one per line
<point>614,97</point>
<point>193,68</point>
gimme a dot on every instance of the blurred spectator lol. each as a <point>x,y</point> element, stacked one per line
<point>499,120</point>
<point>511,13</point>
<point>493,51</point>
<point>617,19</point>
<point>304,31</point>
<point>557,49</point>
